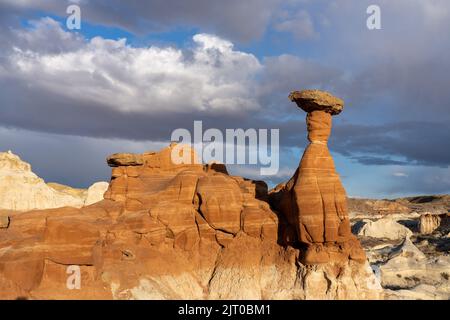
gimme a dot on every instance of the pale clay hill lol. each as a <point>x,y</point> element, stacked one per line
<point>407,242</point>
<point>166,231</point>
<point>23,190</point>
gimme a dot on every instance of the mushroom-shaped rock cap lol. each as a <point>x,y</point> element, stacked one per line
<point>313,100</point>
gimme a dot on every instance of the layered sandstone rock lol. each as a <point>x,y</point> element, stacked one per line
<point>314,200</point>
<point>428,223</point>
<point>125,159</point>
<point>169,231</point>
<point>388,207</point>
<point>21,189</point>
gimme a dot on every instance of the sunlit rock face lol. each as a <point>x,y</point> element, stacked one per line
<point>169,231</point>
<point>22,190</point>
<point>314,201</point>
<point>428,223</point>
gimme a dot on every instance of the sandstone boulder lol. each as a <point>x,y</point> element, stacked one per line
<point>316,100</point>
<point>125,159</point>
<point>428,223</point>
<point>386,228</point>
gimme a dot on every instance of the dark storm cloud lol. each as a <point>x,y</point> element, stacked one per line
<point>26,105</point>
<point>403,67</point>
<point>377,161</point>
<point>235,19</point>
<point>70,91</point>
<point>71,160</point>
<point>26,108</point>
<point>395,82</point>
<point>287,73</point>
<point>410,90</point>
<point>417,143</point>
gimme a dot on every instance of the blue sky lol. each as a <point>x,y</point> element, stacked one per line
<point>70,97</point>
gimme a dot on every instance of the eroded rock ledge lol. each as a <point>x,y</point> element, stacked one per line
<point>167,231</point>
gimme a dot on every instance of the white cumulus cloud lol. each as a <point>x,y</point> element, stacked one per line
<point>211,76</point>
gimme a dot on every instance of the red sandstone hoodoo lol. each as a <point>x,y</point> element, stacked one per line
<point>314,200</point>
<point>166,231</point>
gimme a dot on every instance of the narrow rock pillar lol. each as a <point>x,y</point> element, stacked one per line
<point>319,201</point>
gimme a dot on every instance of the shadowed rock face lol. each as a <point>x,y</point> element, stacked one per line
<point>315,201</point>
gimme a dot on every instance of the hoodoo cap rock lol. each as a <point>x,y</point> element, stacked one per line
<point>316,100</point>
